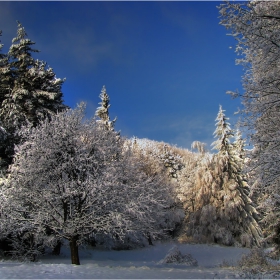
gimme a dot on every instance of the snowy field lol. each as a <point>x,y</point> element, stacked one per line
<point>139,263</point>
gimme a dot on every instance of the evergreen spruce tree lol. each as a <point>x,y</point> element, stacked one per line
<point>255,27</point>
<point>34,91</point>
<point>171,161</point>
<point>30,91</point>
<point>5,77</point>
<point>4,69</point>
<point>221,210</point>
<point>103,111</point>
<point>223,134</point>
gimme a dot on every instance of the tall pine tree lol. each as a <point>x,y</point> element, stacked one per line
<point>255,27</point>
<point>223,134</point>
<point>3,87</point>
<point>4,70</point>
<point>220,209</point>
<point>103,111</point>
<point>30,91</point>
<point>34,92</point>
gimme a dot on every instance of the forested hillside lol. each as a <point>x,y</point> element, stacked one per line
<point>65,178</point>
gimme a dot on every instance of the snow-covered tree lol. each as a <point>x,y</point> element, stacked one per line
<point>239,145</point>
<point>4,69</point>
<point>149,153</point>
<point>166,161</point>
<point>65,177</point>
<point>171,161</point>
<point>185,189</point>
<point>103,111</point>
<point>219,208</point>
<point>223,145</point>
<point>30,91</point>
<point>201,147</point>
<point>223,133</point>
<point>3,146</point>
<point>165,158</point>
<point>255,26</point>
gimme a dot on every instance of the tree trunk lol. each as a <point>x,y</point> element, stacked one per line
<point>74,250</point>
<point>150,239</point>
<point>56,249</point>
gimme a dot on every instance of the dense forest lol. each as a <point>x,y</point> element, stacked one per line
<point>65,178</point>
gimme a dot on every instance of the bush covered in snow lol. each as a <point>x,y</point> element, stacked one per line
<point>174,256</point>
<point>257,264</point>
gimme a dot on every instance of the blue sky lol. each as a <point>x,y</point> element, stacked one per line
<point>166,65</point>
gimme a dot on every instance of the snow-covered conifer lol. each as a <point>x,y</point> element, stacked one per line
<point>4,70</point>
<point>65,177</point>
<point>34,91</point>
<point>171,161</point>
<point>255,26</point>
<point>223,133</point>
<point>103,111</point>
<point>220,209</point>
<point>30,91</point>
<point>3,146</point>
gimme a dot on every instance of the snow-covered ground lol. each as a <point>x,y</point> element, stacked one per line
<point>138,263</point>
